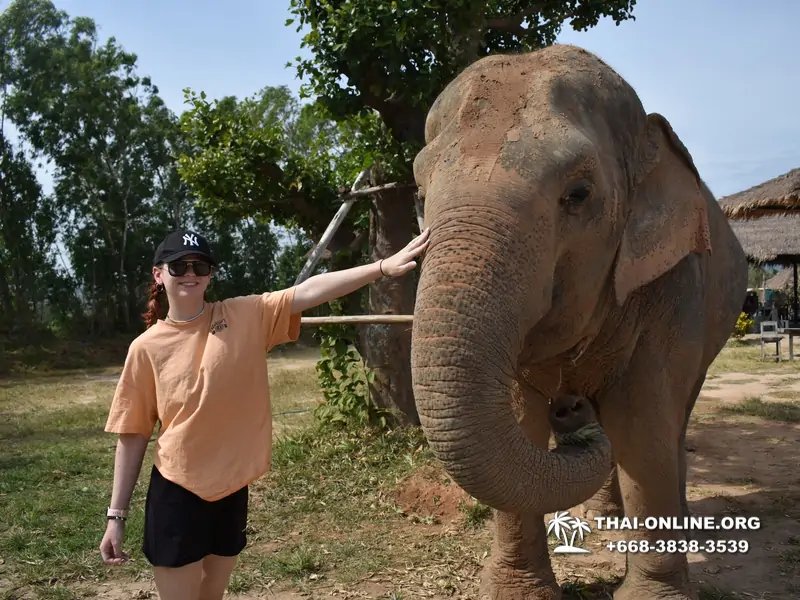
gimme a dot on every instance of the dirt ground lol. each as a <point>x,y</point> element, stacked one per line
<point>739,465</point>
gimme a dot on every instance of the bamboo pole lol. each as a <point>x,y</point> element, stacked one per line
<point>395,185</point>
<point>348,201</point>
<point>326,238</point>
<point>358,319</point>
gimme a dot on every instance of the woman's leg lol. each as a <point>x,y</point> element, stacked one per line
<point>193,544</point>
<point>216,576</point>
<point>177,536</point>
<point>181,583</point>
<point>228,540</point>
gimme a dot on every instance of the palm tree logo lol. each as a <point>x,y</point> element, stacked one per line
<point>561,525</point>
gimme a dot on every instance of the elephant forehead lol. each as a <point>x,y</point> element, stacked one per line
<point>528,117</point>
<point>494,107</point>
<point>496,111</point>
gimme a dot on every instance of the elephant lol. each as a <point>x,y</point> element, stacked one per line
<point>574,252</point>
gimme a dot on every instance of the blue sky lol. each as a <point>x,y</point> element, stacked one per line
<point>723,72</point>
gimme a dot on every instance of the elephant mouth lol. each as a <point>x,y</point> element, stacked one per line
<point>535,353</point>
<point>574,354</point>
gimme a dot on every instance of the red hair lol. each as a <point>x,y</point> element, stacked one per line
<point>153,304</point>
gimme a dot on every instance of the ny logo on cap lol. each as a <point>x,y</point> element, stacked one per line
<point>190,239</point>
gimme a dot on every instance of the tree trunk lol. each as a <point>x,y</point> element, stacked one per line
<point>387,348</point>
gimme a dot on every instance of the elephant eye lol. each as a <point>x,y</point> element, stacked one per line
<point>577,193</point>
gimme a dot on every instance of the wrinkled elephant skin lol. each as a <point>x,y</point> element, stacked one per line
<point>574,252</point>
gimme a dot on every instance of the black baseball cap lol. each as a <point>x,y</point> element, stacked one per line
<point>182,243</point>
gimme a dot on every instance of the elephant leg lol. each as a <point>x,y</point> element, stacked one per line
<point>682,449</point>
<point>644,421</point>
<point>520,565</point>
<point>607,502</point>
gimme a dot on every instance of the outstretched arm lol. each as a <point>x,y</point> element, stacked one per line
<point>329,286</point>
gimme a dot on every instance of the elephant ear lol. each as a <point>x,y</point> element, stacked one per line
<point>667,216</point>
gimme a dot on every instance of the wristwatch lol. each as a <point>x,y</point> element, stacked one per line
<point>117,513</point>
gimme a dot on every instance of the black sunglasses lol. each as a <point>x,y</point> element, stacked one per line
<point>177,268</point>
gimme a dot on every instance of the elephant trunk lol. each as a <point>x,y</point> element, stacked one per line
<point>473,307</point>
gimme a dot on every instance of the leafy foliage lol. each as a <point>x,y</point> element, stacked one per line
<point>397,55</point>
<point>343,379</point>
<point>27,234</point>
<point>76,262</point>
<point>268,157</point>
<point>744,325</point>
<point>80,105</point>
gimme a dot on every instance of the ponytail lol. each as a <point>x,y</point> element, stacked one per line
<point>153,304</point>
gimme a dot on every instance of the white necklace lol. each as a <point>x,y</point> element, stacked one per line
<point>202,310</point>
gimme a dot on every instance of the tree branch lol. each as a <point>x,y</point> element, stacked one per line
<point>513,23</point>
<point>379,188</point>
<point>406,122</point>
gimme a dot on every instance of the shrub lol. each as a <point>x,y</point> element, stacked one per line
<point>744,325</point>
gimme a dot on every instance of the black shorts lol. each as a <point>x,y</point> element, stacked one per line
<point>181,528</point>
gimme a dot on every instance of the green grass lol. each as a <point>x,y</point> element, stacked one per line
<point>709,592</point>
<point>745,357</point>
<point>57,467</point>
<point>475,513</point>
<point>326,511</point>
<point>786,394</point>
<point>789,558</point>
<point>772,411</point>
<point>601,587</point>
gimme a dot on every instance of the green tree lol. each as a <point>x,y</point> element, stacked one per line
<point>758,274</point>
<point>111,142</point>
<point>28,276</point>
<point>396,56</point>
<point>267,157</point>
<point>81,106</point>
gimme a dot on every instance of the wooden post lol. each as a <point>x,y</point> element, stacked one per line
<point>348,201</point>
<point>795,315</point>
<point>326,238</point>
<point>358,320</point>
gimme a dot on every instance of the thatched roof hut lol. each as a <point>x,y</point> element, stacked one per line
<point>776,196</point>
<point>772,239</point>
<point>783,280</point>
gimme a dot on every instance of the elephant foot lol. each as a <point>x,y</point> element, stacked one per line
<point>651,590</point>
<point>642,583</point>
<point>503,582</point>
<point>593,508</point>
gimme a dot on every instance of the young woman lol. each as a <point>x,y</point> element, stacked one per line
<point>201,373</point>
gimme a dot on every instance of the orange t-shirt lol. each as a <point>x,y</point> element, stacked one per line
<point>206,382</point>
